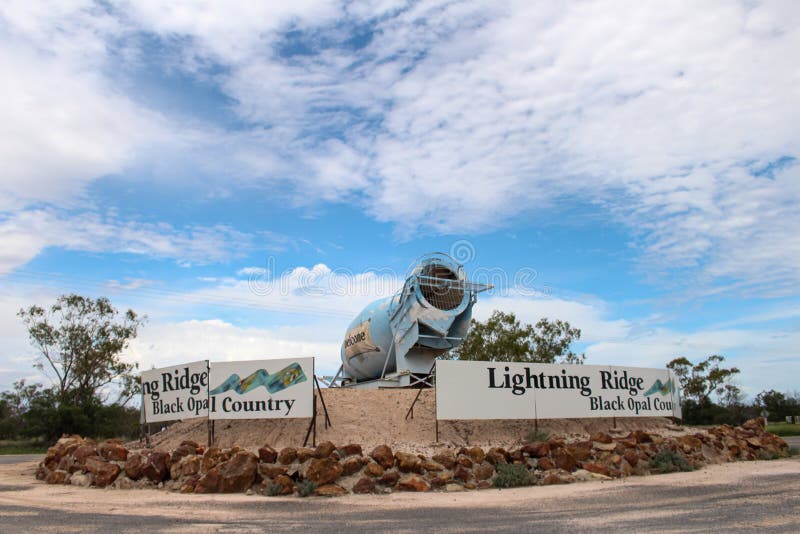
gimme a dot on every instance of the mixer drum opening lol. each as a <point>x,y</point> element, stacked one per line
<point>441,287</point>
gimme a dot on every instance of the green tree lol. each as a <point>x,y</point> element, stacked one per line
<point>700,381</point>
<point>503,338</point>
<point>80,341</point>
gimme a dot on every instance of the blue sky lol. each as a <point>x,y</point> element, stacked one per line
<point>250,175</point>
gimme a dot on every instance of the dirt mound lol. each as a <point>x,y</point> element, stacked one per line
<point>374,417</point>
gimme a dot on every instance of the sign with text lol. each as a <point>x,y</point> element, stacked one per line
<point>499,390</point>
<point>262,389</point>
<point>178,392</point>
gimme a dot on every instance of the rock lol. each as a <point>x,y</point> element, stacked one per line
<point>238,473</point>
<point>564,460</point>
<point>450,488</point>
<point>383,455</point>
<point>536,449</point>
<point>470,486</point>
<point>447,458</point>
<point>351,465</point>
<point>104,472</point>
<point>352,449</point>
<point>83,480</point>
<point>389,478</point>
<point>186,448</point>
<point>364,485</point>
<point>440,480</point>
<point>431,466</point>
<point>133,466</point>
<point>413,483</point>
<point>598,468</point>
<point>209,483</point>
<point>462,473</point>
<point>601,437</point>
<point>330,490</point>
<point>212,458</point>
<point>87,450</point>
<point>584,476</point>
<point>580,450</point>
<point>464,460</point>
<point>323,471</point>
<point>631,456</point>
<point>287,455</point>
<point>286,484</point>
<point>155,466</point>
<point>57,477</point>
<point>484,484</point>
<point>640,436</point>
<point>557,477</point>
<point>271,471</point>
<point>689,444</point>
<point>267,454</point>
<point>113,451</point>
<point>187,466</point>
<point>304,453</point>
<point>70,464</point>
<point>477,454</point>
<point>324,449</point>
<point>497,456</point>
<point>483,471</point>
<point>408,463</point>
<point>605,447</point>
<point>545,464</point>
<point>374,470</point>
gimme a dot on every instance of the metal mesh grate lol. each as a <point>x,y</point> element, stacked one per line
<point>441,287</point>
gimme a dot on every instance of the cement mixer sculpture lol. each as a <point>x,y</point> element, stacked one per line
<point>394,341</point>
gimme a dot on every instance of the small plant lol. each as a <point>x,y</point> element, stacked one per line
<point>512,476</point>
<point>794,451</point>
<point>306,487</point>
<point>274,489</point>
<point>537,435</point>
<point>766,455</point>
<point>669,461</point>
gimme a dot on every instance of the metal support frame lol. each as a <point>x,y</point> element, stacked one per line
<point>312,427</point>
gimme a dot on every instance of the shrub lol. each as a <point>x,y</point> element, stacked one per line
<point>512,476</point>
<point>306,487</point>
<point>669,461</point>
<point>794,451</point>
<point>274,489</point>
<point>537,435</point>
<point>766,455</point>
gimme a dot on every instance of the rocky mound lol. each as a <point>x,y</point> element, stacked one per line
<point>328,470</point>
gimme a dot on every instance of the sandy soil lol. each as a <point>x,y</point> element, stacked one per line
<point>374,417</point>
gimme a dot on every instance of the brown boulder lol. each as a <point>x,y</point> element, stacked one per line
<point>323,471</point>
<point>580,450</point>
<point>483,471</point>
<point>364,485</point>
<point>640,436</point>
<point>104,472</point>
<point>304,453</point>
<point>447,458</point>
<point>383,455</point>
<point>324,449</point>
<point>285,484</point>
<point>351,465</point>
<point>208,483</point>
<point>373,470</point>
<point>689,444</point>
<point>155,467</point>
<point>556,477</point>
<point>352,449</point>
<point>413,483</point>
<point>187,466</point>
<point>389,478</point>
<point>287,455</point>
<point>462,473</point>
<point>545,464</point>
<point>267,454</point>
<point>330,490</point>
<point>601,437</point>
<point>113,450</point>
<point>631,456</point>
<point>431,466</point>
<point>594,467</point>
<point>212,458</point>
<point>497,456</point>
<point>465,461</point>
<point>57,477</point>
<point>238,473</point>
<point>81,453</point>
<point>564,460</point>
<point>133,466</point>
<point>186,448</point>
<point>536,449</point>
<point>477,454</point>
<point>408,463</point>
<point>271,471</point>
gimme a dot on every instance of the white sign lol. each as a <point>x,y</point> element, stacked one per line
<point>499,390</point>
<point>262,389</point>
<point>178,392</point>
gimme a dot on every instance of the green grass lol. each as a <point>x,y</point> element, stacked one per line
<point>22,447</point>
<point>512,476</point>
<point>537,435</point>
<point>784,429</point>
<point>669,461</point>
